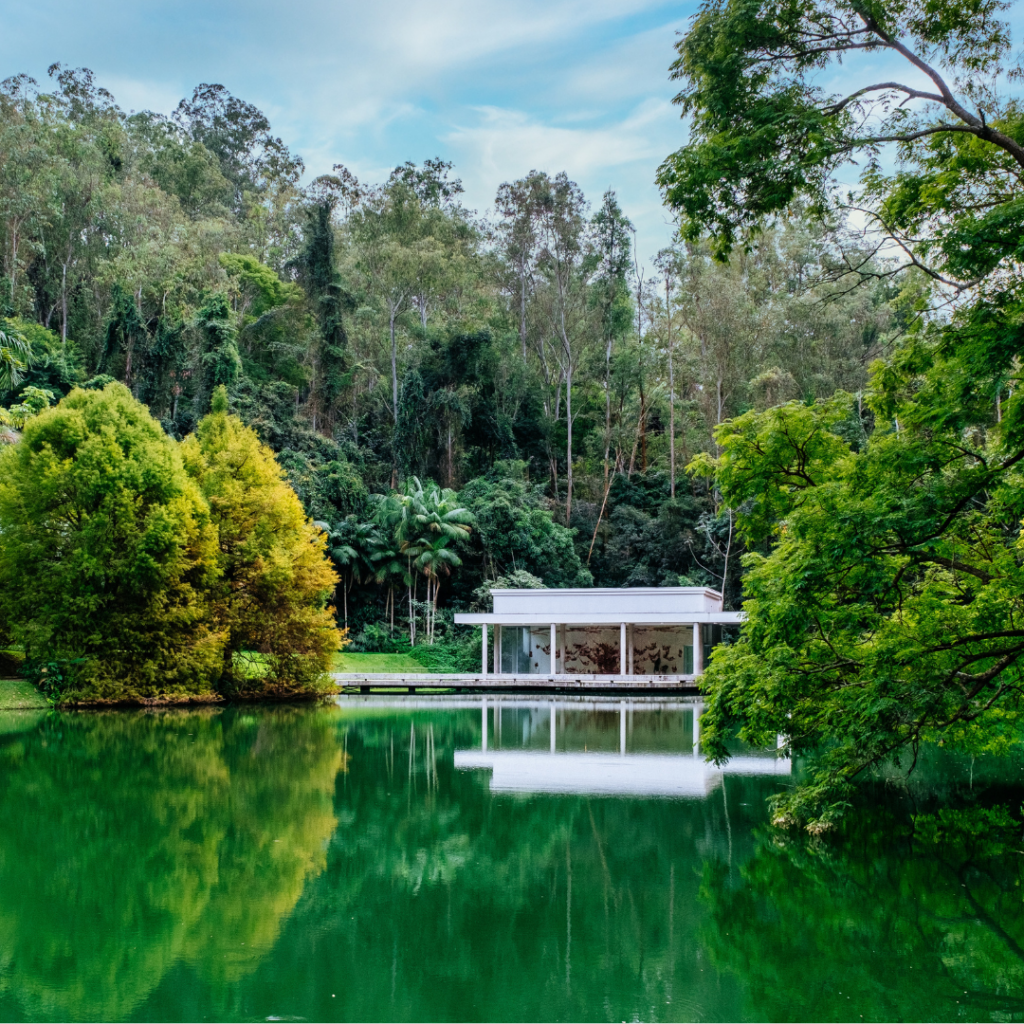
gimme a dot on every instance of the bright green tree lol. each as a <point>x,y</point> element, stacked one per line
<point>884,605</point>
<point>271,599</point>
<point>107,552</point>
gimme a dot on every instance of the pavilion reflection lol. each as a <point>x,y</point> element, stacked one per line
<point>640,767</point>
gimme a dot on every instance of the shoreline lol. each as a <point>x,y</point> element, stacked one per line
<point>17,694</point>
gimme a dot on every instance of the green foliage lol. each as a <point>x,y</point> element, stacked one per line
<point>33,400</point>
<point>107,552</point>
<point>887,606</point>
<point>274,581</point>
<point>884,583</point>
<point>453,654</point>
<point>371,333</point>
<point>14,349</point>
<point>216,326</point>
<point>764,133</point>
<point>515,530</point>
<point>422,525</point>
<point>260,290</point>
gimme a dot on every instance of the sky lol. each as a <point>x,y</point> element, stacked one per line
<point>498,88</point>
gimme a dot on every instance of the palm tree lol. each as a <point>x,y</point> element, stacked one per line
<point>436,558</point>
<point>423,522</point>
<point>441,522</point>
<point>396,513</point>
<point>14,353</point>
<point>351,545</point>
<point>388,567</point>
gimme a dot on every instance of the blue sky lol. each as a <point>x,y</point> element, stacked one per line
<point>498,88</point>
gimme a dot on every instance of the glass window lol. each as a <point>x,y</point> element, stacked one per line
<point>516,651</point>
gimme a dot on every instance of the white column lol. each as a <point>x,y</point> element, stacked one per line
<point>562,646</point>
<point>698,651</point>
<point>622,648</point>
<point>483,665</point>
<point>484,722</point>
<point>697,709</point>
<point>631,648</point>
<point>554,654</point>
<point>622,728</point>
<point>497,650</point>
<point>552,724</point>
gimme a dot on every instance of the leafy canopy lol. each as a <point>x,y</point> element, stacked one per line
<point>275,581</point>
<point>108,551</point>
<point>884,605</point>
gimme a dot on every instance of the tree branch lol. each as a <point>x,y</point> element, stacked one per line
<point>911,94</point>
<point>982,130</point>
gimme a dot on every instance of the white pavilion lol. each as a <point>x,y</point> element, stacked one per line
<point>603,633</point>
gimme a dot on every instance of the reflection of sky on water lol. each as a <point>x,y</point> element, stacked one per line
<point>628,748</point>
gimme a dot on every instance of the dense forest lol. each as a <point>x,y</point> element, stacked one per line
<point>456,398</point>
<point>810,399</point>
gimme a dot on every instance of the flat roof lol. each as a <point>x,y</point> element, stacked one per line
<point>613,591</point>
<point>571,618</point>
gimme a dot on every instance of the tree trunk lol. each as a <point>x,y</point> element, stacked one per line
<point>607,406</point>
<point>568,443</point>
<point>14,259</point>
<point>522,313</point>
<point>412,620</point>
<point>64,304</point>
<point>643,428</point>
<point>725,570</point>
<point>671,396</point>
<point>394,363</point>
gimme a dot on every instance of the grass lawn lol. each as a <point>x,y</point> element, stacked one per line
<point>381,663</point>
<point>18,693</point>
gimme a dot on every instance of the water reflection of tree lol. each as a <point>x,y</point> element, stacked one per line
<point>903,918</point>
<point>442,901</point>
<point>133,840</point>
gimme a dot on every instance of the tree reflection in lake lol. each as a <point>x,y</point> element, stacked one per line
<point>909,914</point>
<point>134,841</point>
<point>335,863</point>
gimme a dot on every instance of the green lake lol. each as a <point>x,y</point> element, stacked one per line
<point>442,859</point>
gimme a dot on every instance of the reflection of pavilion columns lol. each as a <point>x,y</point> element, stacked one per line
<point>552,724</point>
<point>622,728</point>
<point>483,717</point>
<point>697,709</point>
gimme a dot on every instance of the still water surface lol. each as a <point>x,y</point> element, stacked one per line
<point>421,859</point>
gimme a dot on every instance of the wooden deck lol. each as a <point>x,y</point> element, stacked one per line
<point>414,683</point>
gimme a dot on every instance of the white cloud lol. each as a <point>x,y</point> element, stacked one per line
<point>499,88</point>
<point>506,144</point>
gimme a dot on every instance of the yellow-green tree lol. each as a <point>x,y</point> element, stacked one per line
<point>107,552</point>
<point>271,598</point>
